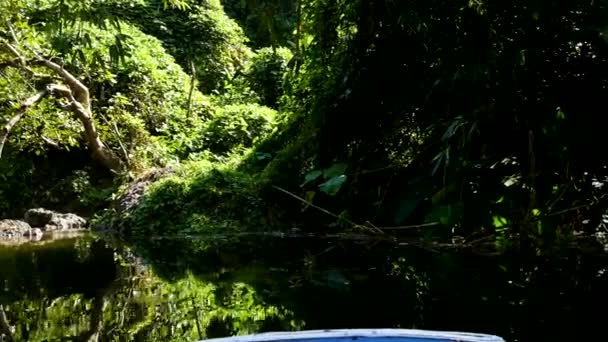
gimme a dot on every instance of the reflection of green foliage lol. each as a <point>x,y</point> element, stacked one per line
<point>146,309</point>
<point>133,304</point>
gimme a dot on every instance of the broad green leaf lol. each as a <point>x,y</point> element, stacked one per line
<point>311,176</point>
<point>333,185</point>
<point>335,170</point>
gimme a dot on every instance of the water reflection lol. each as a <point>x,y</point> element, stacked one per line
<point>185,289</point>
<point>82,290</point>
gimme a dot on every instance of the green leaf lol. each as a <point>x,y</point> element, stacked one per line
<point>499,221</point>
<point>333,185</point>
<point>334,170</point>
<point>311,176</point>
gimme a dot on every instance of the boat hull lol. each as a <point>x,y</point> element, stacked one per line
<point>363,335</point>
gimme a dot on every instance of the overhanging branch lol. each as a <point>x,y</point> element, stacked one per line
<point>79,90</point>
<point>78,101</point>
<point>25,105</point>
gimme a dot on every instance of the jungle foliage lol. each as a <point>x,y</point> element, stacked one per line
<point>197,131</point>
<point>461,120</point>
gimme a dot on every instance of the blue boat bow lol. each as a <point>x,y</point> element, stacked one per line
<point>363,335</point>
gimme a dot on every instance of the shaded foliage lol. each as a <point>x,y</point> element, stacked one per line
<point>266,22</point>
<point>267,74</point>
<point>487,113</point>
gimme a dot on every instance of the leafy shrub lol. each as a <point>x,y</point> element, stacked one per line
<point>202,35</point>
<point>238,126</point>
<point>199,197</point>
<point>268,67</point>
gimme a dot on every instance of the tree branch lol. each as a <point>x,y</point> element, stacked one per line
<point>12,31</point>
<point>11,47</point>
<point>79,90</point>
<point>11,63</point>
<point>14,51</point>
<point>50,142</point>
<point>114,127</point>
<point>25,105</point>
<point>79,102</point>
<point>18,62</point>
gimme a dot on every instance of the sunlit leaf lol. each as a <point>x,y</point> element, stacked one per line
<point>499,221</point>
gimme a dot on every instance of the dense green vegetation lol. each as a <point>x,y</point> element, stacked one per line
<point>463,125</point>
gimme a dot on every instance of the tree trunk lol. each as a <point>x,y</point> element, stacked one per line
<point>79,104</point>
<point>100,151</point>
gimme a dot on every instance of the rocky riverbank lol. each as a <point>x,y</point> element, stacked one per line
<point>40,223</point>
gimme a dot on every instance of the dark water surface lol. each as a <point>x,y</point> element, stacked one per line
<point>88,289</point>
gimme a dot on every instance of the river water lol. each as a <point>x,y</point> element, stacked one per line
<point>185,289</point>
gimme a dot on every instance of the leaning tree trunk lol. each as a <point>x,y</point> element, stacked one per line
<point>82,110</point>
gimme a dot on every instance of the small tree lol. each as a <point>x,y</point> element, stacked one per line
<point>58,82</point>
